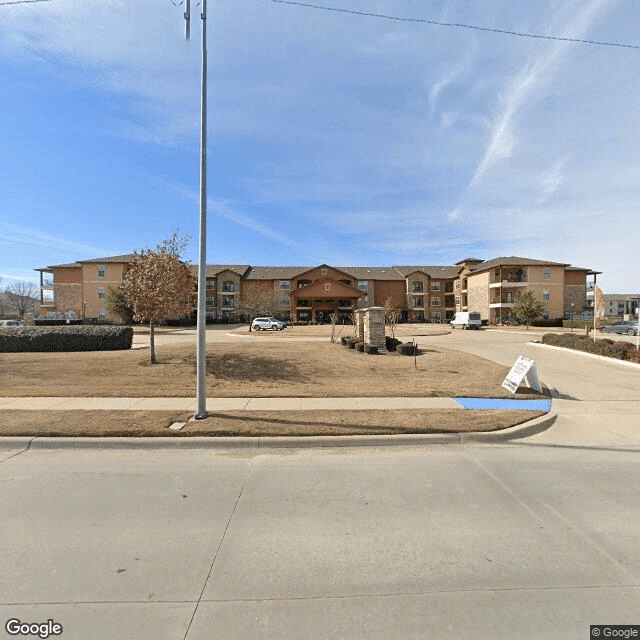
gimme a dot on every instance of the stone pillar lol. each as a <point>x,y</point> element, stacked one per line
<point>374,333</point>
<point>359,320</point>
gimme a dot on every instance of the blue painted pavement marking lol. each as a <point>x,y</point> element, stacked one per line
<point>501,403</point>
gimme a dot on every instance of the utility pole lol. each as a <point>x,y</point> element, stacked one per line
<point>201,352</point>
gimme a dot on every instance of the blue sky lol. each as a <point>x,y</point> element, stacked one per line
<point>333,137</point>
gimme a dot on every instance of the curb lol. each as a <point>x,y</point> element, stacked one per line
<point>624,363</point>
<point>275,443</point>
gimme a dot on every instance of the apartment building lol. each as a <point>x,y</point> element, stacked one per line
<point>425,293</point>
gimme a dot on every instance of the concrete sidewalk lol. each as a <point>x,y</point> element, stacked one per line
<point>263,404</point>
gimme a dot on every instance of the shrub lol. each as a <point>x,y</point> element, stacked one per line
<point>68,338</point>
<point>392,343</point>
<point>605,347</point>
<point>549,323</point>
<point>407,349</point>
<point>577,324</point>
<point>371,349</point>
<point>359,346</point>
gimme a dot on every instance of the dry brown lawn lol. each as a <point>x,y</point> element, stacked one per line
<point>252,369</point>
<point>265,423</point>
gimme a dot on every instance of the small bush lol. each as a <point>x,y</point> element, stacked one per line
<point>359,346</point>
<point>392,343</point>
<point>605,347</point>
<point>344,340</point>
<point>371,349</point>
<point>407,349</point>
<point>577,324</point>
<point>67,338</point>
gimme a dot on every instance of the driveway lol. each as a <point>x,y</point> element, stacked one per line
<point>598,401</point>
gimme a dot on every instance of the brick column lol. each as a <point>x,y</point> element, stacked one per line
<point>374,333</point>
<point>359,319</point>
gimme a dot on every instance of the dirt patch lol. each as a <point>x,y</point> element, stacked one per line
<point>255,369</point>
<point>263,423</point>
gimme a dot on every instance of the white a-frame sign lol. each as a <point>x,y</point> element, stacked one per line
<point>525,370</point>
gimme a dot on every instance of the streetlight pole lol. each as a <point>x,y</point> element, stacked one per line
<point>201,350</point>
<point>572,317</point>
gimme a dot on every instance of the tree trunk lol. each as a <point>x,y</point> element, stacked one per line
<point>152,342</point>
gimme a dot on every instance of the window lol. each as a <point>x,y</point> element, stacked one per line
<point>102,294</point>
<point>101,271</point>
<point>435,302</point>
<point>363,285</point>
<point>324,272</point>
<point>366,299</point>
<point>417,303</point>
<point>546,295</point>
<point>545,273</point>
<point>285,285</point>
<point>304,303</point>
<point>211,284</point>
<point>303,316</point>
<point>457,300</point>
<point>545,314</point>
<point>344,303</point>
<point>102,313</point>
<point>457,284</point>
<point>228,303</point>
<point>303,283</point>
<point>417,287</point>
<point>509,297</point>
<point>284,302</point>
<point>435,286</point>
<point>227,285</point>
<point>327,286</point>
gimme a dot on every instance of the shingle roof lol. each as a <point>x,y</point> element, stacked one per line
<point>77,265</point>
<point>514,261</point>
<point>373,273</point>
<point>275,273</point>
<point>214,269</point>
<point>127,257</point>
<point>440,271</point>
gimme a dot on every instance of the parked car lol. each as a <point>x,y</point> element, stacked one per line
<point>467,320</point>
<point>9,324</point>
<point>630,327</point>
<point>268,323</point>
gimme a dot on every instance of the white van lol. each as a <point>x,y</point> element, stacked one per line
<point>466,320</point>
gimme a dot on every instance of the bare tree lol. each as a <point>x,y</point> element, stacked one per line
<point>392,313</point>
<point>158,286</point>
<point>176,244</point>
<point>21,296</point>
<point>257,300</point>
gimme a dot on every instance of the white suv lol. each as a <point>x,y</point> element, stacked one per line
<point>268,323</point>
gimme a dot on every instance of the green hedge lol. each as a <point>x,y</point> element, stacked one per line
<point>66,338</point>
<point>602,347</point>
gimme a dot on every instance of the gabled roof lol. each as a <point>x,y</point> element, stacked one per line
<point>316,290</point>
<point>447,271</point>
<point>215,269</point>
<point>515,261</point>
<point>469,260</point>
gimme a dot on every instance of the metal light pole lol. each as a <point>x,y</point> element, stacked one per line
<point>201,362</point>
<point>572,317</point>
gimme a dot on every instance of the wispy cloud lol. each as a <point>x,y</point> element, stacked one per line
<point>528,86</point>
<point>32,238</point>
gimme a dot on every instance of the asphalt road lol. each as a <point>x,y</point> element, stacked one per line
<point>532,539</point>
